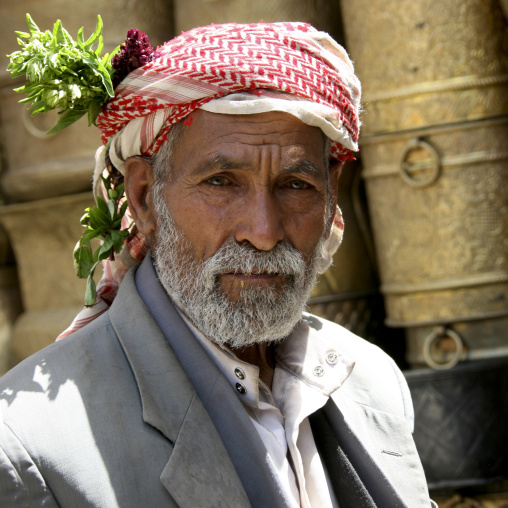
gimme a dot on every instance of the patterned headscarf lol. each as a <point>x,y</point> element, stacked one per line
<point>228,69</point>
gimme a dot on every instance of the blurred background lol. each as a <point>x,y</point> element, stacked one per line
<point>423,269</point>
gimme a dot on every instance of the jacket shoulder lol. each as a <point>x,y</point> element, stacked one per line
<point>376,380</point>
<point>65,357</point>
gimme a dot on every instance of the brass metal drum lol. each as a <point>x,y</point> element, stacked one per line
<point>322,14</point>
<point>435,152</point>
<point>439,208</point>
<point>425,62</point>
<point>43,234</point>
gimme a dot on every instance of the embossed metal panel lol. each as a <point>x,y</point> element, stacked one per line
<point>461,430</point>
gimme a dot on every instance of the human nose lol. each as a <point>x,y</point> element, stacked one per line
<point>260,222</point>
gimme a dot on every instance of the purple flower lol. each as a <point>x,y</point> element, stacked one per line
<point>135,53</point>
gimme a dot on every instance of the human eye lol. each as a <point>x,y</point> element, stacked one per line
<point>298,185</point>
<point>218,181</point>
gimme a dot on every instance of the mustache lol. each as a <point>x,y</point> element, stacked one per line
<point>234,257</point>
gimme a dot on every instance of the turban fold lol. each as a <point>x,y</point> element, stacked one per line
<point>228,69</point>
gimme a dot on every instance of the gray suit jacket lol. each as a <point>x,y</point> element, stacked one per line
<point>127,412</point>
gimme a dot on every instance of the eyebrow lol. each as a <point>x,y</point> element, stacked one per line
<point>302,167</point>
<point>219,162</point>
<point>223,163</point>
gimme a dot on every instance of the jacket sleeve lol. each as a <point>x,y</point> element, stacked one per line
<point>21,483</point>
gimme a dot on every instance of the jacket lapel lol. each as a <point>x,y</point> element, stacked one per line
<point>229,420</point>
<point>199,471</point>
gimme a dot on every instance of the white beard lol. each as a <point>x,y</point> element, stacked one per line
<point>261,314</point>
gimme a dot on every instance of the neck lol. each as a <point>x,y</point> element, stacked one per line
<point>263,356</point>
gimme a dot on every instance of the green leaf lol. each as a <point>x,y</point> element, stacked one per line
<point>104,60</point>
<point>68,37</point>
<point>16,74</point>
<point>99,219</point>
<point>100,46</point>
<point>102,205</point>
<point>118,239</point>
<point>93,112</point>
<point>112,54</point>
<point>119,189</point>
<point>112,208</point>
<point>106,79</point>
<point>88,44</point>
<point>99,215</point>
<point>83,260</point>
<point>105,248</point>
<point>96,233</point>
<point>65,68</point>
<point>31,24</point>
<point>68,118</point>
<point>123,208</point>
<point>58,36</point>
<point>38,107</point>
<point>86,217</point>
<point>93,64</point>
<point>80,38</point>
<point>91,292</point>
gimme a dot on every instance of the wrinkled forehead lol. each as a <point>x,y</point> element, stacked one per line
<point>271,134</point>
<point>247,140</point>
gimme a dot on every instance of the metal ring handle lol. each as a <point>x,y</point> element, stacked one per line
<point>32,129</point>
<point>415,144</point>
<point>429,341</point>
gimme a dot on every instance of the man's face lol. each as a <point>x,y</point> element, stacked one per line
<point>241,223</point>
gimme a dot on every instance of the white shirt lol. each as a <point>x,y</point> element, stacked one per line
<point>305,376</point>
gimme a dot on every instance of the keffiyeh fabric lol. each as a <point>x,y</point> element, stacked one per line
<point>228,69</point>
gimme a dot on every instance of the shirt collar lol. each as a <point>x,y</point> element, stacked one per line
<point>242,376</point>
<point>312,359</point>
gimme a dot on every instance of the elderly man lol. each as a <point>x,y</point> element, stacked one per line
<point>205,384</point>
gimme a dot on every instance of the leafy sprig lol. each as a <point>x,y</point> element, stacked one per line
<point>73,77</point>
<point>102,222</point>
<point>62,73</point>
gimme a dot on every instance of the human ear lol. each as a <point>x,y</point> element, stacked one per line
<point>138,180</point>
<point>333,175</point>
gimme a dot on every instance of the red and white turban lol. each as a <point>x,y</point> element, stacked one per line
<point>236,69</point>
<point>228,69</point>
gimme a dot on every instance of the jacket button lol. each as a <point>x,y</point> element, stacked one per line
<point>241,389</point>
<point>239,373</point>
